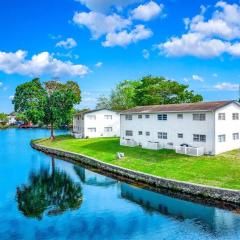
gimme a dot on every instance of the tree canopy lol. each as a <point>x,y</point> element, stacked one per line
<point>148,91</point>
<point>50,103</point>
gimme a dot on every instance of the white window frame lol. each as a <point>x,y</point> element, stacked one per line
<point>199,116</point>
<point>162,117</point>
<point>180,135</point>
<point>221,116</point>
<point>139,116</point>
<point>235,136</point>
<point>128,133</point>
<point>235,116</point>
<point>147,116</point>
<point>162,135</point>
<point>222,138</point>
<point>140,133</point>
<point>108,129</point>
<point>199,138</point>
<point>180,116</point>
<point>128,117</point>
<point>147,133</point>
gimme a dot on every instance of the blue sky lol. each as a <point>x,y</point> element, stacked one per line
<point>99,43</point>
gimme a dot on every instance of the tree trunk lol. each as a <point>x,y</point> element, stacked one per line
<point>52,132</point>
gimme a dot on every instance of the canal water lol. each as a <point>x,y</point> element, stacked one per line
<point>45,198</point>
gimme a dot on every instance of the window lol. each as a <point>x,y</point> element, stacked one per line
<point>108,129</point>
<point>128,117</point>
<point>199,138</point>
<point>92,129</point>
<point>162,117</point>
<point>235,136</point>
<point>91,117</point>
<point>235,116</point>
<point>139,116</point>
<point>78,117</point>
<point>180,116</point>
<point>180,135</point>
<point>140,132</point>
<point>162,135</point>
<point>108,117</point>
<point>222,138</point>
<point>129,133</point>
<point>221,116</point>
<point>147,133</point>
<point>147,116</point>
<point>199,116</point>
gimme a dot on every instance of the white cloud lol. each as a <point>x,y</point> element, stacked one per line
<point>193,44</point>
<point>98,64</point>
<point>102,6</point>
<point>125,38</point>
<point>145,53</point>
<point>196,77</point>
<point>11,97</point>
<point>100,24</point>
<point>147,11</point>
<point>40,64</point>
<point>1,84</point>
<point>215,75</point>
<point>210,37</point>
<point>68,43</point>
<point>227,86</point>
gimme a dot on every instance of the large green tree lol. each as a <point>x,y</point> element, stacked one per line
<point>158,90</point>
<point>50,103</point>
<point>148,91</point>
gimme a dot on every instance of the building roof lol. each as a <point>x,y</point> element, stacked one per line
<point>184,107</point>
<point>91,111</point>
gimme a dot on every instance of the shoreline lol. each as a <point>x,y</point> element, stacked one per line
<point>195,190</point>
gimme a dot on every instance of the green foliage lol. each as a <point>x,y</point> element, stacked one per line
<point>158,90</point>
<point>148,91</point>
<point>48,194</point>
<point>3,118</point>
<point>50,103</point>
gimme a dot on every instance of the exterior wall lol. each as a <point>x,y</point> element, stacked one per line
<point>172,126</point>
<point>78,125</point>
<point>227,127</point>
<point>82,124</point>
<point>100,123</point>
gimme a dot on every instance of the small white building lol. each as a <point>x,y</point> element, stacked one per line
<point>96,123</point>
<point>193,129</point>
<point>12,119</point>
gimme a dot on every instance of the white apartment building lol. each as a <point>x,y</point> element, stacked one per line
<point>96,123</point>
<point>194,128</point>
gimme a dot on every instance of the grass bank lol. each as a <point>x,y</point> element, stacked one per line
<point>220,171</point>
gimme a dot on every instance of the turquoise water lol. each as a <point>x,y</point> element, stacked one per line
<point>45,198</point>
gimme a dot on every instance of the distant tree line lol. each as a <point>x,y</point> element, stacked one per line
<point>147,91</point>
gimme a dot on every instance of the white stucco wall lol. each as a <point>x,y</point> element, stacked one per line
<point>172,126</point>
<point>227,127</point>
<point>99,122</point>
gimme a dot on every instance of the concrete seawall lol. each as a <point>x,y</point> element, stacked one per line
<point>219,194</point>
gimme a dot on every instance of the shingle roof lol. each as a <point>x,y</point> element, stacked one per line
<point>92,111</point>
<point>200,106</point>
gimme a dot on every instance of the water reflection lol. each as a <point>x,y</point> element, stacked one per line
<point>91,178</point>
<point>210,218</point>
<point>48,193</point>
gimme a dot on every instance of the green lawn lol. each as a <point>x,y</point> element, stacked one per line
<point>221,171</point>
